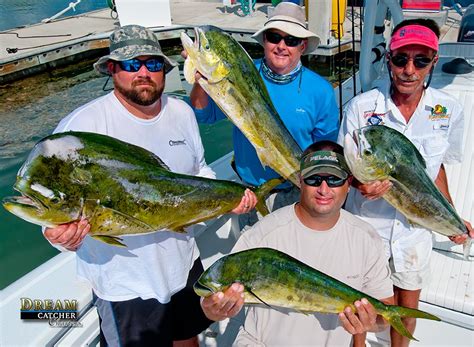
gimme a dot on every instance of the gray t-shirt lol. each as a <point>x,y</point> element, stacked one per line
<point>351,252</point>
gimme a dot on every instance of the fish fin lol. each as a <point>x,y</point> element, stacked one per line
<point>161,162</point>
<point>262,191</point>
<point>262,207</point>
<point>255,295</point>
<point>397,324</point>
<point>179,229</point>
<point>106,221</point>
<point>189,71</point>
<point>110,240</point>
<point>466,248</point>
<point>394,315</point>
<point>256,144</point>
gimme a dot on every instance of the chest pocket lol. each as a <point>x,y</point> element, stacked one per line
<point>433,150</point>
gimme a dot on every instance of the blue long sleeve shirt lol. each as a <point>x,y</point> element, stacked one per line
<point>306,106</point>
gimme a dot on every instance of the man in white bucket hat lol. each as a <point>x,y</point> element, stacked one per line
<point>304,100</point>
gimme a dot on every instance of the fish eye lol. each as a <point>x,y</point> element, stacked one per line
<point>55,200</point>
<point>206,47</point>
<point>367,152</point>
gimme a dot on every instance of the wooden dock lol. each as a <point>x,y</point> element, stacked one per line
<point>34,48</point>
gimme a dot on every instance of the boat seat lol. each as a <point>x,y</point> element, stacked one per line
<point>451,285</point>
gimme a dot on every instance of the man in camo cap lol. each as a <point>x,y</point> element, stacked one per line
<point>132,41</point>
<point>143,293</point>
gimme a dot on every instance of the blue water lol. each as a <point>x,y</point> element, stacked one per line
<point>17,13</point>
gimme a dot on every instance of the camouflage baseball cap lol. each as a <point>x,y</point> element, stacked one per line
<point>131,41</point>
<point>324,162</point>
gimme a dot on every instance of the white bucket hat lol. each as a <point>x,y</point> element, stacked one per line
<point>291,19</point>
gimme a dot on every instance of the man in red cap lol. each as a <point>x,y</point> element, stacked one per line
<point>433,121</point>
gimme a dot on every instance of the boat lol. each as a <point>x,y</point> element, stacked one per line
<point>449,295</point>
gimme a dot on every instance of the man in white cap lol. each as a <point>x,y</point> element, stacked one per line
<point>319,233</point>
<point>143,293</point>
<point>304,100</point>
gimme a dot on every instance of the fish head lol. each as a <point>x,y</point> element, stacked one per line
<point>368,155</point>
<point>206,54</point>
<point>45,184</point>
<point>217,278</point>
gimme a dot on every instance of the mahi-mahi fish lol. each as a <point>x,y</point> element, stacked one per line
<point>234,83</point>
<point>120,188</point>
<point>377,152</point>
<point>275,279</point>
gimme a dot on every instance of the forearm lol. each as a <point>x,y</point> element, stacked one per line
<point>199,98</point>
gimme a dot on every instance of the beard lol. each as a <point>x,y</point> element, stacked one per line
<point>139,94</point>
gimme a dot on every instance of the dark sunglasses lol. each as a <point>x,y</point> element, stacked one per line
<point>133,65</point>
<point>420,61</point>
<point>332,181</point>
<point>275,38</point>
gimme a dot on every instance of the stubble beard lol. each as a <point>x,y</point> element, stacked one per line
<point>141,96</point>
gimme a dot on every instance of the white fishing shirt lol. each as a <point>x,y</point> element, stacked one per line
<point>436,130</point>
<point>152,265</point>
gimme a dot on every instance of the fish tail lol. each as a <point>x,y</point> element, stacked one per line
<point>466,247</point>
<point>262,191</point>
<point>394,316</point>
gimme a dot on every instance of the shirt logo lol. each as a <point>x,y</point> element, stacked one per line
<point>177,142</point>
<point>374,118</point>
<point>439,112</point>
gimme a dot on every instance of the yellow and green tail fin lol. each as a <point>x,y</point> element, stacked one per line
<point>262,191</point>
<point>394,316</point>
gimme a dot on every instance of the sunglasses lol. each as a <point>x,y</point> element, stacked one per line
<point>420,61</point>
<point>331,181</point>
<point>275,38</point>
<point>133,65</point>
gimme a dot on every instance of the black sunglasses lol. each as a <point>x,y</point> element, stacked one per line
<point>275,38</point>
<point>420,61</point>
<point>332,181</point>
<point>133,65</point>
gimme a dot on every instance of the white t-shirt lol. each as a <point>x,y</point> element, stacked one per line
<point>351,252</point>
<point>436,130</point>
<point>153,265</point>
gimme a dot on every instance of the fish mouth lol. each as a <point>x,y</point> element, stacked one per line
<point>23,201</point>
<point>202,290</point>
<point>356,139</point>
<point>352,146</point>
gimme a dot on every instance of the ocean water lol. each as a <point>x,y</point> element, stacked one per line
<point>17,13</point>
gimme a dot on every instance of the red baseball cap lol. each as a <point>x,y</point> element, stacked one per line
<point>414,35</point>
